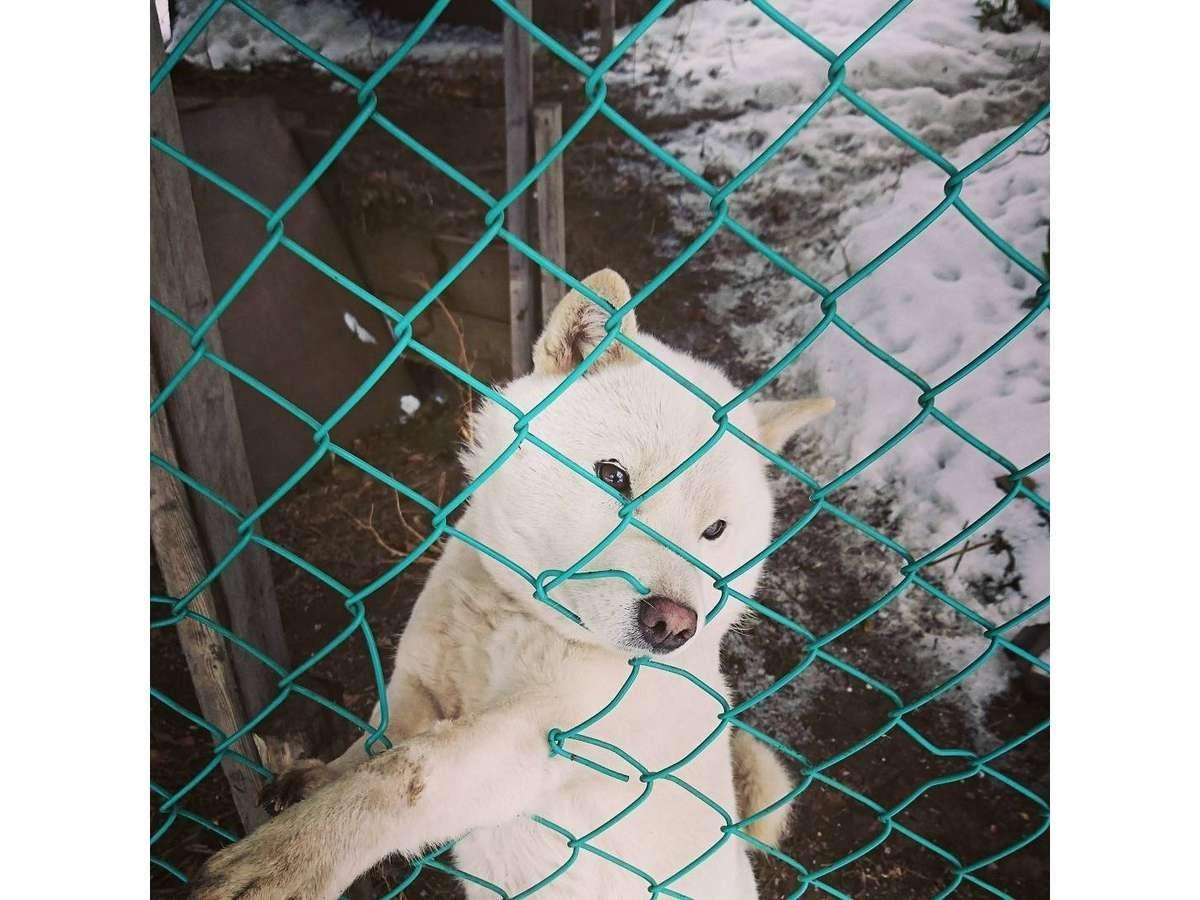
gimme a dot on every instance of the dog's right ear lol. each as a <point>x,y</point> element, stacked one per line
<point>577,326</point>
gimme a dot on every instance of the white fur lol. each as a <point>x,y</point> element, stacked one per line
<point>484,670</point>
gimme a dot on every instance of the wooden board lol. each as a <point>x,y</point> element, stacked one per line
<point>288,326</point>
<point>202,411</point>
<point>551,217</point>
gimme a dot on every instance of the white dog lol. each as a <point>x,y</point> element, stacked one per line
<point>485,671</point>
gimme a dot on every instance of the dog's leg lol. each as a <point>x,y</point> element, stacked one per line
<point>413,709</point>
<point>759,779</point>
<point>426,790</point>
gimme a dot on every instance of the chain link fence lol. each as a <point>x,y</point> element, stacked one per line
<point>571,741</point>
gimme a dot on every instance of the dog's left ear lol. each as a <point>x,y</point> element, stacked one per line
<point>577,326</point>
<point>779,420</point>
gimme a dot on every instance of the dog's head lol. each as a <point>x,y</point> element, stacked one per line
<point>631,425</point>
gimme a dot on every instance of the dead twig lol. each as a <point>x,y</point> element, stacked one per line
<point>433,552</point>
<point>846,267</point>
<point>466,396</point>
<point>464,361</point>
<point>957,555</point>
<point>404,522</point>
<point>369,527</point>
<point>395,552</point>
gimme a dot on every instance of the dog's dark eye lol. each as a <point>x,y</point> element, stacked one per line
<point>612,474</point>
<point>714,531</point>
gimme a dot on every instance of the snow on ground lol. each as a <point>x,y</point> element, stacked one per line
<point>839,193</point>
<point>335,28</point>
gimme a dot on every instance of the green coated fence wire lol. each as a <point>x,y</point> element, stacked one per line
<point>572,743</point>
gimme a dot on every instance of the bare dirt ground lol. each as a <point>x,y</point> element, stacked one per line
<point>353,528</point>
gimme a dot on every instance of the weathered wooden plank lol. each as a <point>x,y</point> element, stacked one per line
<point>607,12</point>
<point>518,99</point>
<point>552,236</point>
<point>204,419</point>
<point>183,563</point>
<point>289,314</point>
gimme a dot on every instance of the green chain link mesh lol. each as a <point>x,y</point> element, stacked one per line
<point>813,772</point>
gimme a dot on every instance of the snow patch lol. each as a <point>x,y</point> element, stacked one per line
<point>944,299</point>
<point>409,404</point>
<point>356,329</point>
<point>338,29</point>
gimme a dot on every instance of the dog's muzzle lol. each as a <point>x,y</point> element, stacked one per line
<point>665,624</point>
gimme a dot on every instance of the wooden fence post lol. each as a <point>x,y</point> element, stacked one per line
<point>182,563</point>
<point>203,417</point>
<point>518,98</point>
<point>552,238</point>
<point>608,17</point>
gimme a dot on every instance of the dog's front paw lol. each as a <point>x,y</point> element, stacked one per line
<point>233,872</point>
<point>298,783</point>
<point>267,865</point>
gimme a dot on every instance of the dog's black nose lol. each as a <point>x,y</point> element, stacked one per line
<point>665,624</point>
